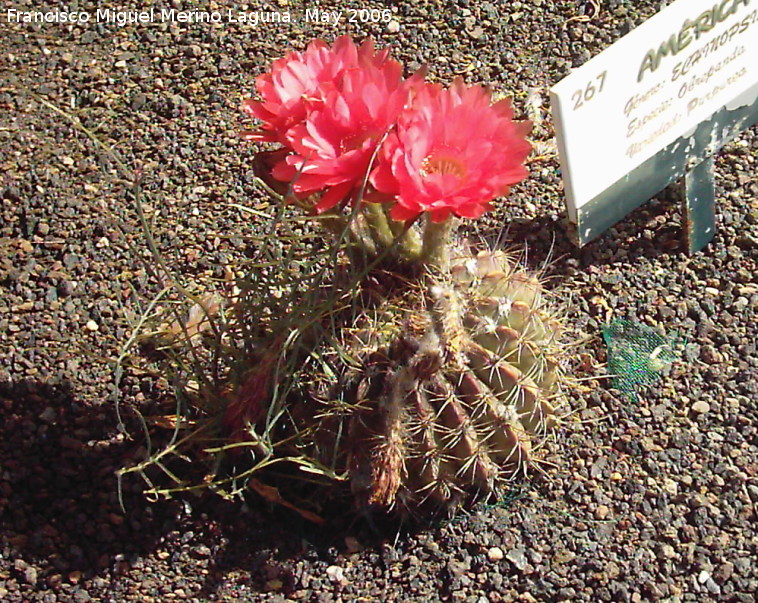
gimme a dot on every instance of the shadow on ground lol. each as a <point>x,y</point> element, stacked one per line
<point>59,503</point>
<point>61,514</point>
<point>651,230</point>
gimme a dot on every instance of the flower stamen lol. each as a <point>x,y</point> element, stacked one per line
<point>443,165</point>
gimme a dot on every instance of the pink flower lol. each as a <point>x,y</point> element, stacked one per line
<point>300,78</point>
<point>451,153</point>
<point>334,145</point>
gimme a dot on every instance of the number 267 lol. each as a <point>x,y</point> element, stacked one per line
<point>584,96</point>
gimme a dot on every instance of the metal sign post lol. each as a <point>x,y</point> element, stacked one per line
<point>697,193</point>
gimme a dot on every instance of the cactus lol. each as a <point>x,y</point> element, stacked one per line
<point>437,391</point>
<point>421,375</point>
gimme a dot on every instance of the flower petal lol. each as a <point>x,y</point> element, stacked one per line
<point>452,152</point>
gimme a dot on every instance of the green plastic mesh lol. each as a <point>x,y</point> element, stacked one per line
<point>505,500</point>
<point>637,355</point>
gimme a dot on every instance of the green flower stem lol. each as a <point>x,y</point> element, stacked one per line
<point>410,244</point>
<point>409,240</point>
<point>378,225</point>
<point>435,249</point>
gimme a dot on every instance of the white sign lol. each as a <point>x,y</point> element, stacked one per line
<point>650,88</point>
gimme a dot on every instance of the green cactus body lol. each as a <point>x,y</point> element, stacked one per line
<point>448,396</point>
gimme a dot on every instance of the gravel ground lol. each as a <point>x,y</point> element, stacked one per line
<point>652,500</point>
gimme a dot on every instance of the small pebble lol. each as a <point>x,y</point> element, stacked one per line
<point>336,574</point>
<point>602,512</point>
<point>668,551</point>
<point>495,554</point>
<point>48,415</point>
<point>30,575</point>
<point>201,551</point>
<point>518,558</point>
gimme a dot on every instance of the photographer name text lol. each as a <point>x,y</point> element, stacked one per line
<point>170,15</point>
